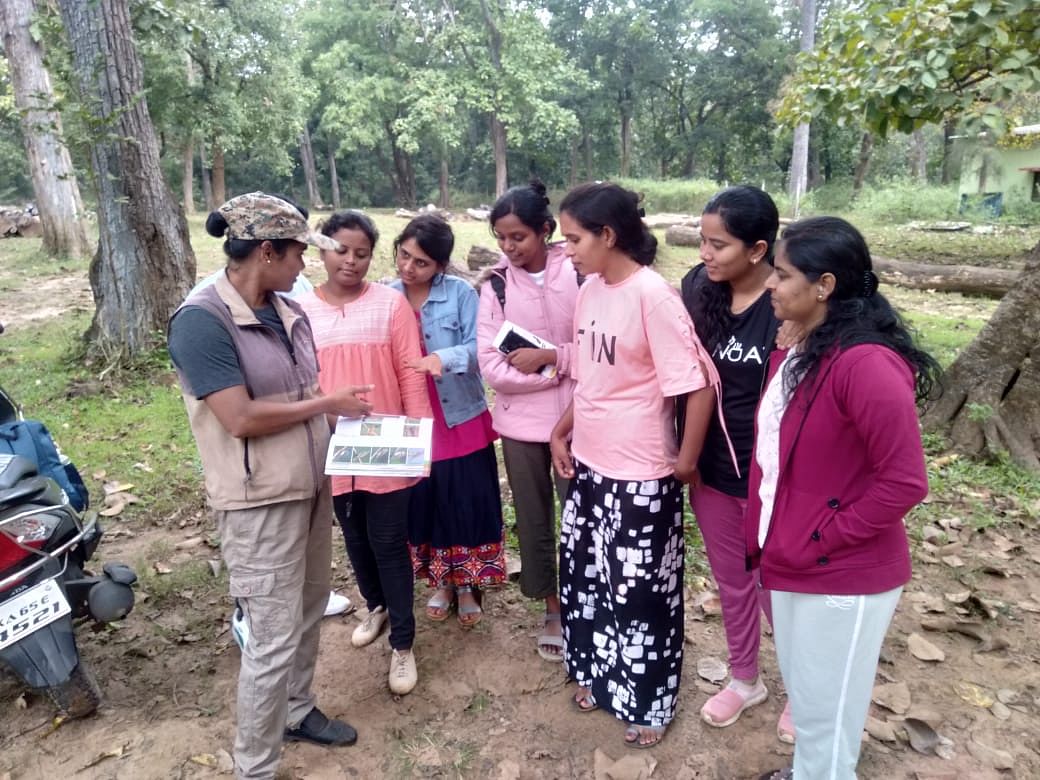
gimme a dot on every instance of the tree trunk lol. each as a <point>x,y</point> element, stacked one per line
<point>310,170</point>
<point>445,192</point>
<point>967,279</point>
<point>918,157</point>
<point>144,263</point>
<point>330,147</point>
<point>188,183</point>
<point>866,148</point>
<point>949,130</point>
<point>218,186</point>
<point>586,143</point>
<point>498,144</point>
<point>572,174</point>
<point>207,181</point>
<point>626,143</point>
<point>991,395</point>
<point>54,181</point>
<point>800,149</point>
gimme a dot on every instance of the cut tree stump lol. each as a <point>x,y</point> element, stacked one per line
<point>967,279</point>
<point>683,235</point>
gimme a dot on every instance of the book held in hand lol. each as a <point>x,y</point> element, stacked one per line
<point>512,337</point>
<point>381,445</point>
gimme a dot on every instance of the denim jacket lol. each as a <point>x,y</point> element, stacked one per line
<point>449,329</point>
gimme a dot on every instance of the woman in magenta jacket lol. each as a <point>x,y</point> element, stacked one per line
<point>539,287</point>
<point>838,463</point>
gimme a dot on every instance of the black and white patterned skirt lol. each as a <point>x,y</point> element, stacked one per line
<point>621,593</point>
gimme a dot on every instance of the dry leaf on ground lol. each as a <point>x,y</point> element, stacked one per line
<point>893,696</point>
<point>712,669</point>
<point>924,650</point>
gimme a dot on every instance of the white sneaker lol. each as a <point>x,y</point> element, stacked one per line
<point>403,676</point>
<point>239,628</point>
<point>337,605</point>
<point>370,627</point>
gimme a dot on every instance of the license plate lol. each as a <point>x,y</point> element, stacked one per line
<point>30,611</point>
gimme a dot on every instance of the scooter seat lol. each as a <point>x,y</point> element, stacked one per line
<point>26,491</point>
<point>13,469</point>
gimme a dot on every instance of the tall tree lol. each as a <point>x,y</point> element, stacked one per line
<point>144,263</point>
<point>909,64</point>
<point>800,149</point>
<point>54,180</point>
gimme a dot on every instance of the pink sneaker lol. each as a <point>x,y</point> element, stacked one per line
<point>785,726</point>
<point>727,705</point>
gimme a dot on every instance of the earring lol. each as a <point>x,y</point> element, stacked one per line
<point>268,261</point>
<point>819,297</point>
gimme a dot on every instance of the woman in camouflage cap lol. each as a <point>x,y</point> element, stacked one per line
<point>248,370</point>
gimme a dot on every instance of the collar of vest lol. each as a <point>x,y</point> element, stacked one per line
<point>243,314</point>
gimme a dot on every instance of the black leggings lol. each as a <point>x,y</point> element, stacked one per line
<point>375,529</point>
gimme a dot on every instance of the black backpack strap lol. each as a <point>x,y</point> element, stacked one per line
<point>498,284</point>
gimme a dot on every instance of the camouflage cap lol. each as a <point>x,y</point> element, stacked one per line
<point>259,216</point>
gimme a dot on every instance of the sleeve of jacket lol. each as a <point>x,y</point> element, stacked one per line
<point>406,350</point>
<point>878,393</point>
<point>494,366</point>
<point>462,358</point>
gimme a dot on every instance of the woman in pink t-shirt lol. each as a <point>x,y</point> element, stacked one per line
<point>621,541</point>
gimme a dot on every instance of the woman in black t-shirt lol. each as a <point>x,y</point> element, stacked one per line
<point>730,306</point>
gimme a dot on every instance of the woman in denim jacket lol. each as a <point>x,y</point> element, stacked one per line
<point>455,522</point>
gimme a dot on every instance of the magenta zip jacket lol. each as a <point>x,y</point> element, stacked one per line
<point>851,467</point>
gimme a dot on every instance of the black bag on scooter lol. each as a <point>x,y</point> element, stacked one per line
<point>32,440</point>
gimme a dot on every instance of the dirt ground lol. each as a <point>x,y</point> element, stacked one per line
<point>488,707</point>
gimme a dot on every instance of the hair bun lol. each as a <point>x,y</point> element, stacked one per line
<point>538,186</point>
<point>216,224</point>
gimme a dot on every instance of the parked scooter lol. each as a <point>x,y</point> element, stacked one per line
<point>44,546</point>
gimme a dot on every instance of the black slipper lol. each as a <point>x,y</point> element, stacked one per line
<point>321,730</point>
<point>586,703</point>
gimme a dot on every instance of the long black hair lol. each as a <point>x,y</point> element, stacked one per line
<point>750,215</point>
<point>856,312</point>
<point>433,235</point>
<point>601,204</point>
<point>529,202</point>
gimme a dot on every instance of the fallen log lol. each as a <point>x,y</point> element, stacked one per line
<point>683,235</point>
<point>967,279</point>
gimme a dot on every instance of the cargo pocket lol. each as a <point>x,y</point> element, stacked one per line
<point>253,593</point>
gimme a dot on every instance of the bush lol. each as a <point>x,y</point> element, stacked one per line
<point>903,200</point>
<point>686,196</point>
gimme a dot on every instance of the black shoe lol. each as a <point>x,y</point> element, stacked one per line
<point>321,730</point>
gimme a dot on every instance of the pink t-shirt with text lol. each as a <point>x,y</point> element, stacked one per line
<point>635,350</point>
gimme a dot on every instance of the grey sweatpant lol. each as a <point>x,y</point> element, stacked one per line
<point>828,648</point>
<point>279,559</point>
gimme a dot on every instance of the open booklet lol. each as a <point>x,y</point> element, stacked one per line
<point>512,337</point>
<point>381,446</point>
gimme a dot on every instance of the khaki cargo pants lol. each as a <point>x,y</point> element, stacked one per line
<point>279,559</point>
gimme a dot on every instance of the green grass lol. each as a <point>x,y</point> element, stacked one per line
<point>131,426</point>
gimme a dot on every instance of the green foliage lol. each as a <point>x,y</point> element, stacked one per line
<point>131,426</point>
<point>15,183</point>
<point>673,195</point>
<point>898,66</point>
<point>902,200</point>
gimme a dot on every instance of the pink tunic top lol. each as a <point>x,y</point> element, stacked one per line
<point>369,341</point>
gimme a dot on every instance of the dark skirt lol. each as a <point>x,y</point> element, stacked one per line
<point>455,522</point>
<point>621,593</point>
